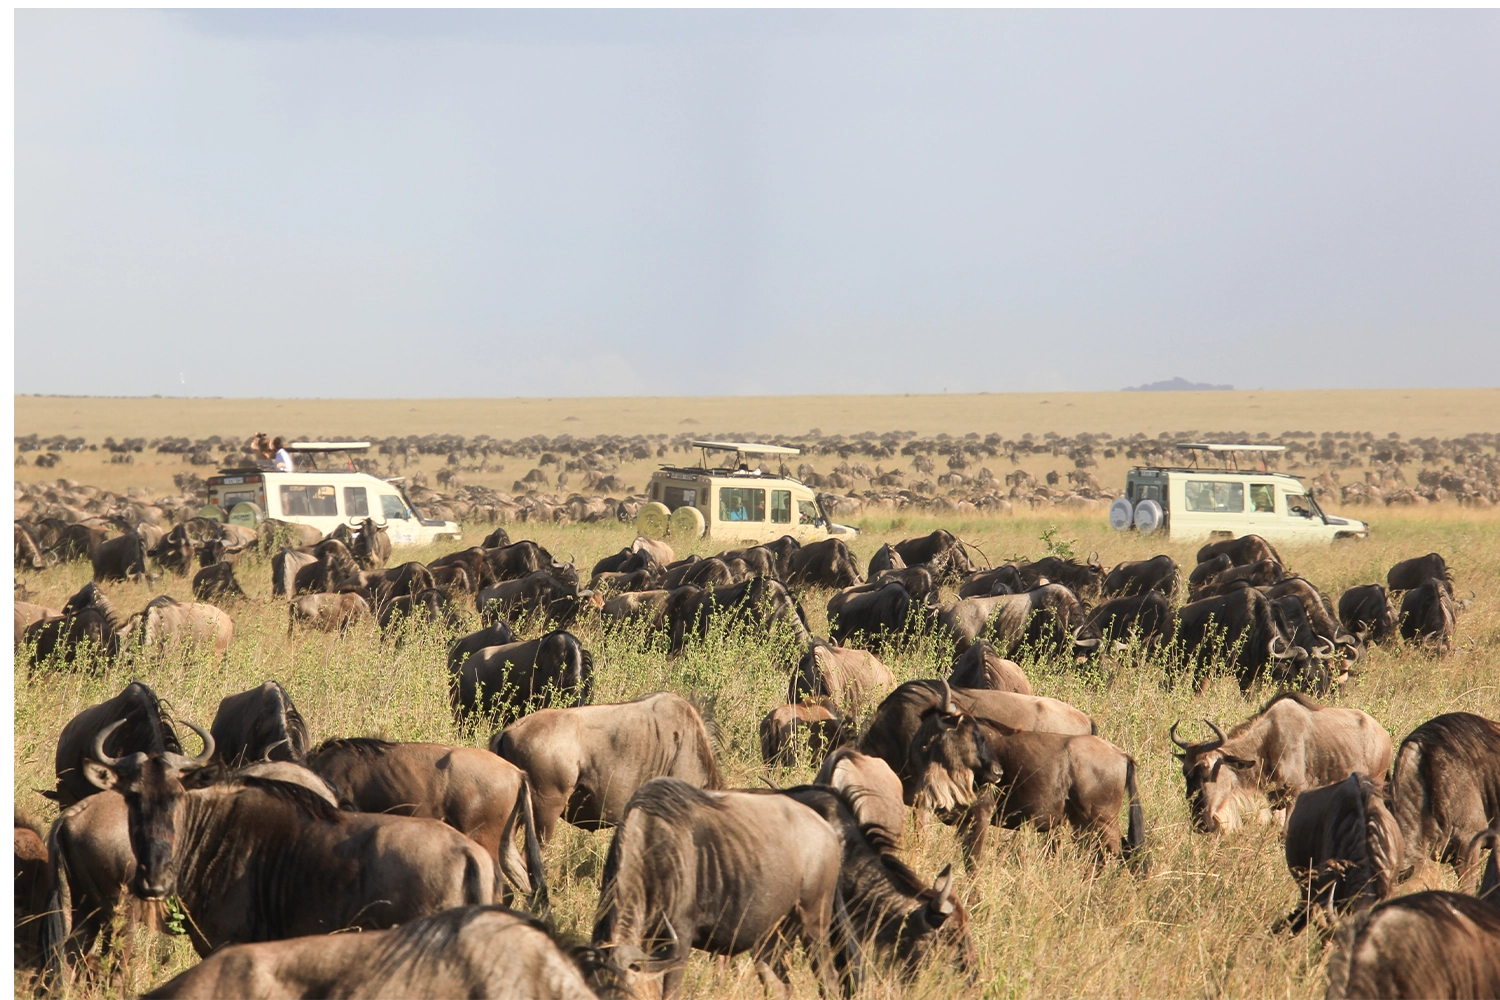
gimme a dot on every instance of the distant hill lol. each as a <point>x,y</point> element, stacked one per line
<point>1178,384</point>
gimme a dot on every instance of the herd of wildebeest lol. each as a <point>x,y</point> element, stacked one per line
<point>261,844</point>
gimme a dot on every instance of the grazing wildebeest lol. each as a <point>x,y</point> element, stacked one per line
<point>254,859</point>
<point>828,563</point>
<point>476,793</point>
<point>1289,746</point>
<point>813,723</point>
<point>871,614</point>
<point>1367,612</point>
<point>285,566</point>
<point>1343,849</point>
<point>216,583</point>
<point>513,677</point>
<point>120,558</point>
<point>167,623</point>
<point>940,551</point>
<point>372,546</point>
<point>1207,572</point>
<point>88,620</point>
<point>759,560</point>
<point>78,541</point>
<point>497,539</point>
<point>473,562</point>
<point>328,612</point>
<point>870,786</point>
<point>147,729</point>
<point>725,872</point>
<point>982,669</point>
<point>514,561</point>
<point>635,605</point>
<point>1146,616</point>
<point>30,614</point>
<point>759,602</point>
<point>636,581</point>
<point>1127,579</point>
<point>1410,574</point>
<point>1083,579</point>
<point>451,581</point>
<point>705,573</point>
<point>1239,626</point>
<point>332,568</point>
<point>1319,616</point>
<point>538,593</point>
<point>993,582</point>
<point>886,557</point>
<point>175,551</point>
<point>1241,551</point>
<point>28,551</point>
<point>585,763</point>
<point>402,581</point>
<point>430,607</point>
<point>1445,788</point>
<point>31,885</point>
<point>469,951</point>
<point>1050,617</point>
<point>497,633</point>
<point>850,677</point>
<point>1428,616</point>
<point>1256,574</point>
<point>259,724</point>
<point>917,580</point>
<point>672,578</point>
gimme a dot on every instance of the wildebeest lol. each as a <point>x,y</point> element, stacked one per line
<point>1445,788</point>
<point>1147,617</point>
<point>513,561</point>
<point>328,612</point>
<point>30,614</point>
<point>1208,570</point>
<point>1241,627</point>
<point>167,623</point>
<point>1367,612</point>
<point>31,885</point>
<point>1428,616</point>
<point>634,606</point>
<point>637,581</point>
<point>1289,746</point>
<point>813,724</point>
<point>120,558</point>
<point>1319,615</point>
<point>1083,579</point>
<point>1256,574</point>
<point>1127,579</point>
<point>849,677</point>
<point>940,551</point>
<point>870,787</point>
<point>981,668</point>
<point>216,583</point>
<point>147,729</point>
<point>726,872</point>
<point>285,565</point>
<point>886,557</point>
<point>175,551</point>
<point>474,563</point>
<point>871,614</point>
<point>372,546</point>
<point>1409,574</point>
<point>451,580</point>
<point>513,677</point>
<point>429,607</point>
<point>497,633</point>
<point>1343,849</point>
<point>259,724</point>
<point>759,602</point>
<point>497,539</point>
<point>538,593</point>
<point>28,551</point>
<point>1241,551</point>
<point>584,763</point>
<point>332,568</point>
<point>1049,617</point>
<point>78,541</point>
<point>917,580</point>
<point>473,791</point>
<point>993,582</point>
<point>827,563</point>
<point>758,560</point>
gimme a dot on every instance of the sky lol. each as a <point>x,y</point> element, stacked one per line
<point>543,203</point>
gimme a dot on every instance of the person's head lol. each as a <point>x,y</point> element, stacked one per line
<point>277,444</point>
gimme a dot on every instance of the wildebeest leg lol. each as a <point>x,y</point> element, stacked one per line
<point>817,941</point>
<point>975,824</point>
<point>773,975</point>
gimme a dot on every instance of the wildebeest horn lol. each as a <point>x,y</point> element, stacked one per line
<point>1218,740</point>
<point>208,744</point>
<point>98,748</point>
<point>948,708</point>
<point>1328,648</point>
<point>942,889</point>
<point>1172,734</point>
<point>1094,559</point>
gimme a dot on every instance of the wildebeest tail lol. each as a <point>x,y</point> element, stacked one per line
<point>540,903</point>
<point>1489,884</point>
<point>474,889</point>
<point>1135,830</point>
<point>1345,941</point>
<point>57,920</point>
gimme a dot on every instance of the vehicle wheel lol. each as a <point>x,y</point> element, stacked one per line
<point>212,513</point>
<point>1148,516</point>
<point>1121,514</point>
<point>653,520</point>
<point>687,522</point>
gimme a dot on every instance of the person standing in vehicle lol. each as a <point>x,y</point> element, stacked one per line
<point>283,457</point>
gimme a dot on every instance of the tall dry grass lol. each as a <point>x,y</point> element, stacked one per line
<point>1044,922</point>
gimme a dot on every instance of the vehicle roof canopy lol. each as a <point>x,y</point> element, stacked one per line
<point>316,446</point>
<point>745,447</point>
<point>1194,446</point>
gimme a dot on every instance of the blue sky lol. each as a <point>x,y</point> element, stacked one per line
<point>496,203</point>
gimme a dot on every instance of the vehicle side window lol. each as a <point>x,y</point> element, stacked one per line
<point>309,501</point>
<point>742,504</point>
<point>356,504</point>
<point>807,512</point>
<point>393,507</point>
<point>678,496</point>
<point>781,506</point>
<point>1263,498</point>
<point>1215,498</point>
<point>1297,505</point>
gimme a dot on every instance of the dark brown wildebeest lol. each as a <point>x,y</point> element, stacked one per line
<point>1241,628</point>
<point>1257,574</point>
<point>634,582</point>
<point>872,614</point>
<point>993,582</point>
<point>1241,551</point>
<point>473,561</point>
<point>1367,612</point>
<point>514,561</point>
<point>372,546</point>
<point>852,678</point>
<point>759,603</point>
<point>88,622</point>
<point>815,724</point>
<point>175,551</point>
<point>636,605</point>
<point>78,541</point>
<point>31,886</point>
<point>328,612</point>
<point>1410,574</point>
<point>980,668</point>
<point>259,724</point>
<point>255,859</point>
<point>285,565</point>
<point>1049,617</point>
<point>1083,579</point>
<point>473,791</point>
<point>452,581</point>
<point>497,539</point>
<point>167,623</point>
<point>1146,617</point>
<point>672,577</point>
<point>886,557</point>
<point>332,568</point>
<point>917,580</point>
<point>870,786</point>
<point>1292,619</point>
<point>430,607</point>
<point>146,729</point>
<point>940,551</point>
<point>828,563</point>
<point>28,551</point>
<point>469,951</point>
<point>1289,746</point>
<point>1319,615</point>
<point>510,679</point>
<point>539,594</point>
<point>1343,849</point>
<point>217,583</point>
<point>1428,616</point>
<point>759,560</point>
<point>1127,579</point>
<point>402,581</point>
<point>497,633</point>
<point>705,573</point>
<point>1445,789</point>
<point>585,763</point>
<point>725,872</point>
<point>1207,571</point>
<point>120,558</point>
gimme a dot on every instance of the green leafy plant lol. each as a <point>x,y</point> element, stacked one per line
<point>1062,548</point>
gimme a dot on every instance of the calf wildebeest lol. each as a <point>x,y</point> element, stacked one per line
<point>1367,612</point>
<point>327,612</point>
<point>372,546</point>
<point>146,729</point>
<point>166,622</point>
<point>1083,579</point>
<point>993,582</point>
<point>982,669</point>
<point>1410,574</point>
<point>1343,849</point>
<point>175,551</point>
<point>828,563</point>
<point>1049,618</point>
<point>512,678</point>
<point>1428,616</point>
<point>886,557</point>
<point>584,763</point>
<point>255,859</point>
<point>1147,617</point>
<point>1241,627</point>
<point>120,558</point>
<point>540,594</point>
<point>871,614</point>
<point>1445,789</point>
<point>851,678</point>
<point>216,583</point>
<point>1207,571</point>
<point>285,565</point>
<point>940,551</point>
<point>259,724</point>
<point>815,724</point>
<point>726,872</point>
<point>1289,746</point>
<point>474,563</point>
<point>476,793</point>
<point>1241,551</point>
<point>470,951</point>
<point>1127,579</point>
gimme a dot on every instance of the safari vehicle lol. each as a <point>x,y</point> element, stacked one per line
<point>1197,503</point>
<point>322,498</point>
<point>734,503</point>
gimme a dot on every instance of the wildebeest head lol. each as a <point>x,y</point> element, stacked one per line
<point>153,790</point>
<point>951,758</point>
<point>565,572</point>
<point>1213,778</point>
<point>940,922</point>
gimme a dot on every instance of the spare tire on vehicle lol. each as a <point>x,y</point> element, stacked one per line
<point>1148,516</point>
<point>653,520</point>
<point>688,522</point>
<point>1121,514</point>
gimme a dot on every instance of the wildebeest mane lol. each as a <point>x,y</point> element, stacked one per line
<point>304,799</point>
<point>364,746</point>
<point>1469,736</point>
<point>1306,702</point>
<point>673,802</point>
<point>427,941</point>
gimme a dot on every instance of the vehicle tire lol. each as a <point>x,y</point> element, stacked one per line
<point>247,513</point>
<point>653,520</point>
<point>1121,514</point>
<point>1148,517</point>
<point>687,522</point>
<point>212,513</point>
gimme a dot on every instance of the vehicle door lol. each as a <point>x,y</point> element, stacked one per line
<point>356,505</point>
<point>314,504</point>
<point>1302,518</point>
<point>809,526</point>
<point>741,514</point>
<point>401,523</point>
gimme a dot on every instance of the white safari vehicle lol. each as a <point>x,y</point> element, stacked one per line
<point>322,498</point>
<point>1196,504</point>
<point>734,503</point>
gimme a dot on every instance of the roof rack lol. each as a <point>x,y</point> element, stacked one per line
<point>1229,453</point>
<point>316,446</point>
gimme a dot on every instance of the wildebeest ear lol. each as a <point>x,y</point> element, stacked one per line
<point>1239,763</point>
<point>99,775</point>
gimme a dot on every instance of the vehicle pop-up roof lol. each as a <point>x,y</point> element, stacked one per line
<point>1229,453</point>
<point>743,448</point>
